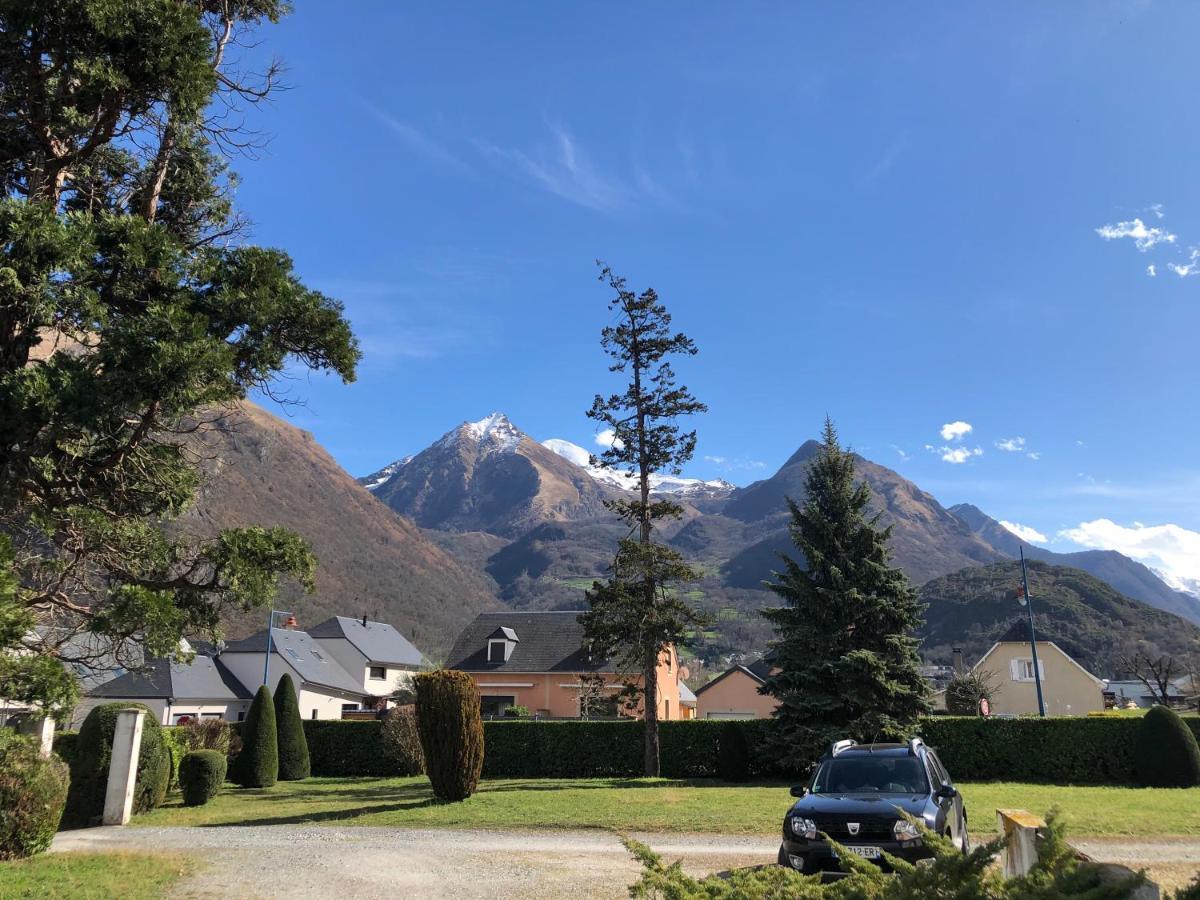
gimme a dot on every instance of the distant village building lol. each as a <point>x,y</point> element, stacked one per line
<point>340,666</point>
<point>734,694</point>
<point>537,660</point>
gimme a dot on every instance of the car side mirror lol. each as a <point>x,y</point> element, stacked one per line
<point>799,790</point>
<point>947,790</point>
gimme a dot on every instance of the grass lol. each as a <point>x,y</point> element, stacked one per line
<point>83,876</point>
<point>634,804</point>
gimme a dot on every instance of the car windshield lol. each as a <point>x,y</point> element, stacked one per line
<point>859,775</point>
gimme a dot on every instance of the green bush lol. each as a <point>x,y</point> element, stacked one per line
<point>175,746</point>
<point>733,753</point>
<point>451,732</point>
<point>64,745</point>
<point>209,734</point>
<point>965,692</point>
<point>89,766</point>
<point>201,774</point>
<point>258,763</point>
<point>33,792</point>
<point>402,741</point>
<point>293,748</point>
<point>1166,751</point>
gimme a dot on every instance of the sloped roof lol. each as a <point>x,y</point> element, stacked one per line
<point>379,642</point>
<point>303,654</point>
<point>549,642</point>
<point>749,671</point>
<point>204,678</point>
<point>685,694</point>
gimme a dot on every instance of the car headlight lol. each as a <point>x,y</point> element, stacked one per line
<point>905,830</point>
<point>802,827</point>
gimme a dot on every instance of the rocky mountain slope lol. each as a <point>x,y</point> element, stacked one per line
<point>262,471</point>
<point>1088,618</point>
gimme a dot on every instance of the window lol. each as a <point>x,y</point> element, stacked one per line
<point>349,707</point>
<point>1022,669</point>
<point>182,718</point>
<point>495,706</point>
<point>242,715</point>
<point>318,655</point>
<point>293,654</point>
<point>211,716</point>
<point>378,673</point>
<point>314,713</point>
<point>496,651</point>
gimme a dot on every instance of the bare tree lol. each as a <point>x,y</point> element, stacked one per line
<point>1157,673</point>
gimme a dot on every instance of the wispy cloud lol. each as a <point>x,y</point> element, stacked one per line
<point>1011,445</point>
<point>1151,270</point>
<point>1144,237</point>
<point>1171,549</point>
<point>413,138</point>
<point>1025,532</point>
<point>900,452</point>
<point>956,431</point>
<point>736,464</point>
<point>883,166</point>
<point>1191,267</point>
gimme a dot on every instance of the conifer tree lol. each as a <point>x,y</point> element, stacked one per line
<point>845,661</point>
<point>293,745</point>
<point>258,763</point>
<point>637,614</point>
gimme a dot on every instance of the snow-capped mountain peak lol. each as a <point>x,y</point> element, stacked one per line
<point>660,484</point>
<point>378,479</point>
<point>494,433</point>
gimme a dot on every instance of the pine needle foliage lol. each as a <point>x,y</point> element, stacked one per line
<point>451,732</point>
<point>293,746</point>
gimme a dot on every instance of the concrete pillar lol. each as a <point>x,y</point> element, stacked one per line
<point>122,768</point>
<point>42,730</point>
<point>1020,840</point>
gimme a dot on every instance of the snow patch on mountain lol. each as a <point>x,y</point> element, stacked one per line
<point>659,484</point>
<point>376,480</point>
<point>494,434</point>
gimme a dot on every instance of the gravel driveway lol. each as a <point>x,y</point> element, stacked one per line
<point>294,861</point>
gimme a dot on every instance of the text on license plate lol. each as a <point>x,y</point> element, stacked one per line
<point>865,852</point>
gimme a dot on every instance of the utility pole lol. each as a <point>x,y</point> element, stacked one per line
<point>1037,675</point>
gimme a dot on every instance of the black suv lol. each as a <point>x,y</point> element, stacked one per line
<point>854,796</point>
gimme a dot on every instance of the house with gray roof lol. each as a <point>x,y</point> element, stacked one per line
<point>537,660</point>
<point>375,653</point>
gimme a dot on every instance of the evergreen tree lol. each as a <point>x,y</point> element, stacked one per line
<point>638,614</point>
<point>845,661</point>
<point>293,745</point>
<point>132,310</point>
<point>258,763</point>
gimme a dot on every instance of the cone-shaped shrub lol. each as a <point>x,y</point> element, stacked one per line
<point>201,774</point>
<point>733,753</point>
<point>293,746</point>
<point>1166,753</point>
<point>258,763</point>
<point>451,732</point>
<point>93,753</point>
<point>32,794</point>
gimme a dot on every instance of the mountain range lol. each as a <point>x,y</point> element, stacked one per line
<point>531,516</point>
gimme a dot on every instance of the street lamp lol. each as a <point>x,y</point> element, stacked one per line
<point>291,621</point>
<point>1027,601</point>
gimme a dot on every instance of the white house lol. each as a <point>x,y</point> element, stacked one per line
<point>375,652</point>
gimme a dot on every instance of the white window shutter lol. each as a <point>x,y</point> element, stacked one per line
<point>1014,669</point>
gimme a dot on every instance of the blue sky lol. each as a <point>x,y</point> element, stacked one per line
<point>893,215</point>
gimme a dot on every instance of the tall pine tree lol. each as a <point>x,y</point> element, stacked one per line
<point>845,661</point>
<point>637,614</point>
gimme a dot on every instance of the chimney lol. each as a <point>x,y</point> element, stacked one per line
<point>957,658</point>
<point>290,624</point>
<point>364,620</point>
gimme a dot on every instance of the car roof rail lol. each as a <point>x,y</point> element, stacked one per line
<point>838,746</point>
<point>913,745</point>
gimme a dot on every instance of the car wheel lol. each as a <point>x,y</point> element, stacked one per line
<point>966,841</point>
<point>783,857</point>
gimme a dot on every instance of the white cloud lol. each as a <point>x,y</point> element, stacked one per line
<point>1157,209</point>
<point>958,455</point>
<point>1011,445</point>
<point>955,431</point>
<point>739,463</point>
<point>1191,267</point>
<point>567,450</point>
<point>1034,454</point>
<point>719,460</point>
<point>1171,549</point>
<point>608,438</point>
<point>900,452</point>
<point>413,138</point>
<point>1143,236</point>
<point>1025,533</point>
<point>1151,270</point>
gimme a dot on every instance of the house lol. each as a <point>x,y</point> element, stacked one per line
<point>734,694</point>
<point>1121,694</point>
<point>537,660</point>
<point>687,702</point>
<point>1068,689</point>
<point>174,691</point>
<point>342,666</point>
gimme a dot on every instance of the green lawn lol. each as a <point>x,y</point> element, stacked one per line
<point>84,876</point>
<point>649,805</point>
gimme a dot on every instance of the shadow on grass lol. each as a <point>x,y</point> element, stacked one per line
<point>333,815</point>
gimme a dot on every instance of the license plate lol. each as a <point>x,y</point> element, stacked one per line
<point>865,852</point>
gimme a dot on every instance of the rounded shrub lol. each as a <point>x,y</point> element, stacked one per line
<point>451,732</point>
<point>1165,751</point>
<point>258,763</point>
<point>402,742</point>
<point>93,753</point>
<point>201,774</point>
<point>293,747</point>
<point>733,753</point>
<point>965,691</point>
<point>33,792</point>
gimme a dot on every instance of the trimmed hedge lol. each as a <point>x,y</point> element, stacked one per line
<point>293,749</point>
<point>1167,752</point>
<point>64,745</point>
<point>33,792</point>
<point>451,732</point>
<point>258,763</point>
<point>175,746</point>
<point>346,749</point>
<point>201,774</point>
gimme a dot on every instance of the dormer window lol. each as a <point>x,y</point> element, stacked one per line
<point>500,646</point>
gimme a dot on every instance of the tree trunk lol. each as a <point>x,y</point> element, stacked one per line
<point>650,712</point>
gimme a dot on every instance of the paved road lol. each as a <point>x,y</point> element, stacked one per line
<point>301,861</point>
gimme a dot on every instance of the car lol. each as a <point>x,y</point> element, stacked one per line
<point>856,796</point>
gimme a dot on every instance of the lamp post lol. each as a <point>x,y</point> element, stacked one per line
<point>271,625</point>
<point>1028,603</point>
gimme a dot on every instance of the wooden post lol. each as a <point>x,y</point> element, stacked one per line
<point>122,769</point>
<point>1020,840</point>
